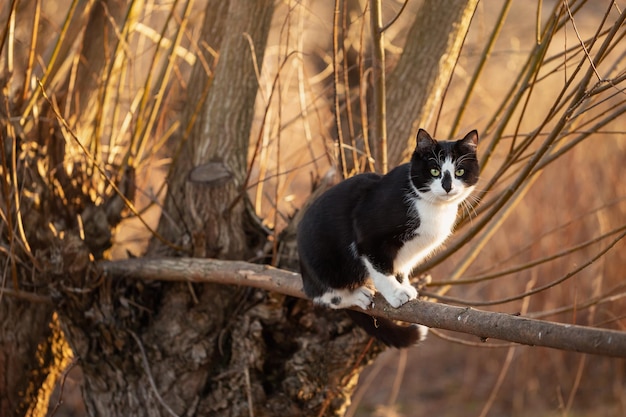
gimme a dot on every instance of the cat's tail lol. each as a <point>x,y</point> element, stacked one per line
<point>388,332</point>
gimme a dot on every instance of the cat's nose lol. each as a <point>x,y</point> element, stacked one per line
<point>446,181</point>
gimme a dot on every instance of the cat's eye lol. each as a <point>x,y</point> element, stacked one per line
<point>435,172</point>
<point>459,172</point>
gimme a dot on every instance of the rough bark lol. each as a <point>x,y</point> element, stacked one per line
<point>416,85</point>
<point>24,336</point>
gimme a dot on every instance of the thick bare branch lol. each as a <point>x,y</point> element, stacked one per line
<point>482,324</point>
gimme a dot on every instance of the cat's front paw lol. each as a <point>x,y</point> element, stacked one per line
<point>400,295</point>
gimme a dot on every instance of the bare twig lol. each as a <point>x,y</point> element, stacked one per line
<point>246,374</point>
<point>395,18</point>
<point>146,366</point>
<point>505,366</point>
<point>484,57</point>
<point>336,83</point>
<point>379,88</point>
<point>580,40</point>
<point>26,296</point>
<point>483,324</point>
<point>481,343</point>
<point>63,378</point>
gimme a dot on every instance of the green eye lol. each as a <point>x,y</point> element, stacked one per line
<point>435,172</point>
<point>459,172</point>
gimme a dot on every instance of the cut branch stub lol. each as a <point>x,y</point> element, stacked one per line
<point>213,173</point>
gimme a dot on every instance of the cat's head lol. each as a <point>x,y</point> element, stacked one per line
<point>444,171</point>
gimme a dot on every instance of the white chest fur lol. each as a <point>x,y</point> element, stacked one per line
<point>436,222</point>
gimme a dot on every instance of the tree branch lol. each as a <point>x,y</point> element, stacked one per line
<point>479,323</point>
<point>378,86</point>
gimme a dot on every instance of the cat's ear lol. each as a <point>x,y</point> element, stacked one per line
<point>424,141</point>
<point>470,140</point>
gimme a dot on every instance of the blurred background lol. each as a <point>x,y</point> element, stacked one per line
<point>554,250</point>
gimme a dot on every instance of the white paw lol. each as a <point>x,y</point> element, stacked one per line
<point>361,297</point>
<point>400,295</point>
<point>423,331</point>
<point>344,298</point>
<point>411,290</point>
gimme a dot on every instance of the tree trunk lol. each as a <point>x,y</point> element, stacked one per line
<point>416,85</point>
<point>203,205</point>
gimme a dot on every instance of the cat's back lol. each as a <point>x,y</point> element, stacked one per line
<point>352,188</point>
<point>330,216</point>
<point>342,197</point>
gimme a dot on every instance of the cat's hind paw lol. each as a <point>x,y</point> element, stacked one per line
<point>343,298</point>
<point>400,295</point>
<point>362,297</point>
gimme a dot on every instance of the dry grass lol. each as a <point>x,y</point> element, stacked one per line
<point>553,183</point>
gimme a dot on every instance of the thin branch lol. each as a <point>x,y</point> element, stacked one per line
<point>6,29</point>
<point>484,57</point>
<point>395,18</point>
<point>63,378</point>
<point>464,342</point>
<point>378,86</point>
<point>528,265</point>
<point>483,324</point>
<point>346,88</point>
<point>146,365</point>
<point>580,40</point>
<point>26,296</point>
<point>336,83</point>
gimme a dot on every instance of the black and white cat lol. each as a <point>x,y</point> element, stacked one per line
<point>377,228</point>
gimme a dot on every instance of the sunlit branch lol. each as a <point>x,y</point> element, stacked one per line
<point>482,324</point>
<point>336,82</point>
<point>379,87</point>
<point>507,199</point>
